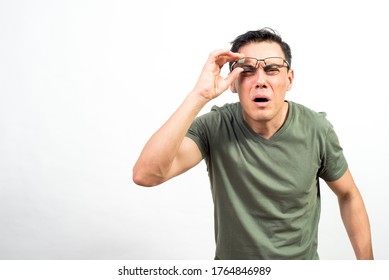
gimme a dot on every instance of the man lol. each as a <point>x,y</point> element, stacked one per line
<point>264,155</point>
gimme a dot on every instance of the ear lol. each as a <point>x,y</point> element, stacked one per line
<point>290,78</point>
<point>233,87</point>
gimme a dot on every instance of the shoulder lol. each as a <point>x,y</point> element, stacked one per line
<point>227,112</point>
<point>228,109</point>
<point>308,117</point>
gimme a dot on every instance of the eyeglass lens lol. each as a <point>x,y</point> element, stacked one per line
<point>253,62</point>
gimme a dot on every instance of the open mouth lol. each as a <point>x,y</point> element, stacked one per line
<point>261,99</point>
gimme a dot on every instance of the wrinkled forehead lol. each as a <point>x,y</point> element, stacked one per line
<point>262,50</point>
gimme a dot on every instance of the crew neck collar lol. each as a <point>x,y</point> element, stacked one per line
<point>255,136</point>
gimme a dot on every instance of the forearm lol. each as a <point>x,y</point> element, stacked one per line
<point>155,162</point>
<point>159,152</point>
<point>357,224</point>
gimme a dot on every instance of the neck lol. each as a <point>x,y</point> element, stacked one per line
<point>268,128</point>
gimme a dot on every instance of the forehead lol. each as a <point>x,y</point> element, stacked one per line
<point>262,50</point>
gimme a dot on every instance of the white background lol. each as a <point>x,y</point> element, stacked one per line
<point>84,84</point>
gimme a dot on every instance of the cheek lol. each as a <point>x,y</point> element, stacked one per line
<point>280,85</point>
<point>244,83</point>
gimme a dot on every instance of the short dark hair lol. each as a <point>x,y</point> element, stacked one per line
<point>262,35</point>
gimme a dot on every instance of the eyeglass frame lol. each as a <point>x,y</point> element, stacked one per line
<point>258,60</point>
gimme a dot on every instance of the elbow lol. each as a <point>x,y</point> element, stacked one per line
<point>145,180</point>
<point>142,181</point>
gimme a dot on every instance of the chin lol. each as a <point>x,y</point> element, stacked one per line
<point>258,116</point>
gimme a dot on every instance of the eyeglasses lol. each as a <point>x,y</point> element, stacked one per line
<point>271,65</point>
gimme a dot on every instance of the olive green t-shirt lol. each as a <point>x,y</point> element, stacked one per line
<point>266,191</point>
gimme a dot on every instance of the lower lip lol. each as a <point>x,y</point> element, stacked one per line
<point>261,104</point>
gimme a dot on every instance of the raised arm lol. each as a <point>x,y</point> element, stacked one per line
<point>168,152</point>
<point>354,215</point>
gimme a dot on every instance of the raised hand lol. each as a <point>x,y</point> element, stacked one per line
<point>210,84</point>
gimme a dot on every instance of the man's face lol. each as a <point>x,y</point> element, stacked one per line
<point>262,90</point>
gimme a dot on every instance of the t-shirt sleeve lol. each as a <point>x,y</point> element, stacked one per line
<point>198,133</point>
<point>334,163</point>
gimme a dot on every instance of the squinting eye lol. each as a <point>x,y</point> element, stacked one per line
<point>248,69</point>
<point>271,69</point>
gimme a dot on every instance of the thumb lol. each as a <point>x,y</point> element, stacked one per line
<point>232,76</point>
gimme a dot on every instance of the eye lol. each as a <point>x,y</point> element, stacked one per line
<point>272,69</point>
<point>248,69</point>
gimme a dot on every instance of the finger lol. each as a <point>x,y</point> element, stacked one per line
<point>232,76</point>
<point>221,57</point>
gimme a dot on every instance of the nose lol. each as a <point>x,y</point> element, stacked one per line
<point>261,78</point>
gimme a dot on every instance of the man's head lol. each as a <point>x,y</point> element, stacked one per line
<point>262,35</point>
<point>265,78</point>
